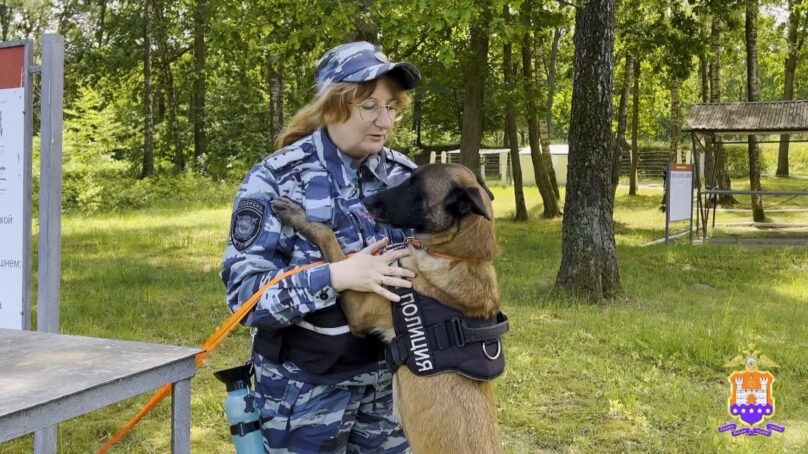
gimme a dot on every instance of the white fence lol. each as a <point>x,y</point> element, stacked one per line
<point>495,164</point>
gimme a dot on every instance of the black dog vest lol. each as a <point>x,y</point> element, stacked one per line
<point>432,338</point>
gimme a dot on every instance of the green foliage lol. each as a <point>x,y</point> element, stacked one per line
<point>87,189</point>
<point>738,157</point>
<point>244,40</point>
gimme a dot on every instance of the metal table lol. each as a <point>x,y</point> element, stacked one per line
<point>47,378</point>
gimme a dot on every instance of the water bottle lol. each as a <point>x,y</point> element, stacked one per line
<point>242,413</point>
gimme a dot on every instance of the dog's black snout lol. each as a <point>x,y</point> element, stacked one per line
<point>375,205</point>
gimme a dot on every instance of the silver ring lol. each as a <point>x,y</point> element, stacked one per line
<point>499,351</point>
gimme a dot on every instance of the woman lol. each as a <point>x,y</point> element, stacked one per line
<point>319,388</point>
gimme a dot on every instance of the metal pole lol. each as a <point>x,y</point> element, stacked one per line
<point>691,204</point>
<point>50,203</point>
<point>668,205</point>
<point>181,417</point>
<point>50,183</point>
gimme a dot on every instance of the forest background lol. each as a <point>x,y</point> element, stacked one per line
<point>166,102</point>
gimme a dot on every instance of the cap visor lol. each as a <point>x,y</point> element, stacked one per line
<point>406,74</point>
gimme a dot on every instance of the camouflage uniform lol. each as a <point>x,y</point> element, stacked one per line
<point>301,411</point>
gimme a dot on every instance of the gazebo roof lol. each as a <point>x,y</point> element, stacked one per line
<point>748,118</point>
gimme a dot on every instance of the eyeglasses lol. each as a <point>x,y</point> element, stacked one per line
<point>370,110</point>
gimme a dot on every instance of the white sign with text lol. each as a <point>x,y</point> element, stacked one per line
<point>681,191</point>
<point>12,160</point>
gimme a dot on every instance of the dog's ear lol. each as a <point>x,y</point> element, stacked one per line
<point>468,200</point>
<point>481,182</point>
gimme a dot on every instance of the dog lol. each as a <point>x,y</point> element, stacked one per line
<point>450,210</point>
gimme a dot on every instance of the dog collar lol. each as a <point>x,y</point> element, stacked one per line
<point>418,244</point>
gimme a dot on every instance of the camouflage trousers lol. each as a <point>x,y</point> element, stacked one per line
<point>299,417</point>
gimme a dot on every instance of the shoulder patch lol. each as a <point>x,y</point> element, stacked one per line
<point>401,158</point>
<point>246,223</point>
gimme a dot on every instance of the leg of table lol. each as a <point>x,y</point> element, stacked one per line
<point>181,417</point>
<point>45,441</point>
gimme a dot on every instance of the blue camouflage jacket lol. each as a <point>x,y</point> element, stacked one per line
<point>326,182</point>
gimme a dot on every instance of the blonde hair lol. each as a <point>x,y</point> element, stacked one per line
<point>336,103</point>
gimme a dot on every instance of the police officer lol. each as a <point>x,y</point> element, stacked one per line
<point>319,388</point>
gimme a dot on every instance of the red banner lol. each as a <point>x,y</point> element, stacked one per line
<point>11,67</point>
<point>681,167</point>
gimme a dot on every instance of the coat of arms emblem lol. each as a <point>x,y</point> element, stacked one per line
<point>751,400</point>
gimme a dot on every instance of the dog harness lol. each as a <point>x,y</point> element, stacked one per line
<point>432,338</point>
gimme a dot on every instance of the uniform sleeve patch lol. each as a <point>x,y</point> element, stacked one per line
<point>247,222</point>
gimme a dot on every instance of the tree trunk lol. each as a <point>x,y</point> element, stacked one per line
<point>510,128</point>
<point>471,131</point>
<point>168,83</point>
<point>704,87</point>
<point>704,77</point>
<point>673,152</point>
<point>200,89</point>
<point>5,20</point>
<point>275,82</point>
<point>794,18</point>
<point>621,146</point>
<point>102,15</point>
<point>417,105</point>
<point>720,175</point>
<point>589,256</point>
<point>752,93</point>
<point>148,96</point>
<point>543,182</point>
<point>551,78</point>
<point>635,119</point>
<point>544,132</point>
<point>366,29</point>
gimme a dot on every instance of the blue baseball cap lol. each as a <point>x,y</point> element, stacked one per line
<point>360,62</point>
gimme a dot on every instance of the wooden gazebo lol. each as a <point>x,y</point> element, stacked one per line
<point>710,121</point>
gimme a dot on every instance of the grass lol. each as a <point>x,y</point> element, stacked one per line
<point>641,374</point>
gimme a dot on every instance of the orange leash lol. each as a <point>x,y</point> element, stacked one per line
<point>213,341</point>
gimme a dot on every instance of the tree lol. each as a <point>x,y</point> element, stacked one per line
<point>752,92</point>
<point>551,78</point>
<point>719,11</point>
<point>544,130</point>
<point>168,84</point>
<point>636,32</point>
<point>477,65</point>
<point>795,43</point>
<point>543,181</point>
<point>635,120</point>
<point>510,126</point>
<point>622,113</point>
<point>5,19</point>
<point>589,256</point>
<point>275,83</point>
<point>148,95</point>
<point>201,16</point>
<point>366,29</point>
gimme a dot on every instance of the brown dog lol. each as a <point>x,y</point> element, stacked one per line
<point>451,210</point>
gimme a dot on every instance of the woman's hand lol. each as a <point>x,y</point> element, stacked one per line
<point>365,272</point>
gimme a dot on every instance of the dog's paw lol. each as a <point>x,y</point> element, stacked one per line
<point>289,212</point>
